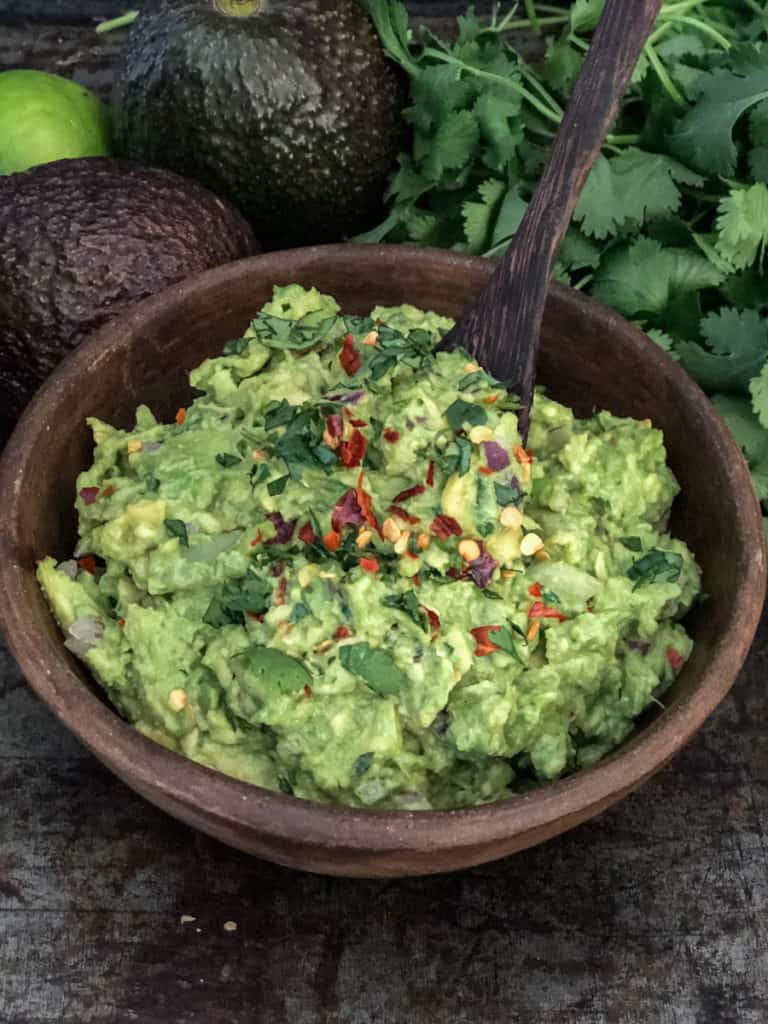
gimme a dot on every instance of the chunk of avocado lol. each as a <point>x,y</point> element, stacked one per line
<point>290,110</point>
<point>81,240</point>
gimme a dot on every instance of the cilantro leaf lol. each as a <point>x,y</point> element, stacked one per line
<point>225,460</point>
<point>742,224</point>
<point>749,436</point>
<point>738,341</point>
<point>362,764</point>
<point>236,347</point>
<point>479,216</point>
<point>177,528</point>
<point>656,567</point>
<point>460,412</point>
<point>227,607</point>
<point>271,667</point>
<point>758,389</point>
<point>703,138</point>
<point>374,666</point>
<point>408,603</point>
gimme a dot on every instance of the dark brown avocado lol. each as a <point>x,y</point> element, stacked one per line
<point>80,240</point>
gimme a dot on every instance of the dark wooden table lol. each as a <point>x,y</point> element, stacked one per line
<point>110,912</point>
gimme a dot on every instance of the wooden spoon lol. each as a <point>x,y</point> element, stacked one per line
<point>502,328</point>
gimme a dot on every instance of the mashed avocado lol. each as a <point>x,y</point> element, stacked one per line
<point>339,574</point>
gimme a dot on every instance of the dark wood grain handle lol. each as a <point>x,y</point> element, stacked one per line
<point>502,329</point>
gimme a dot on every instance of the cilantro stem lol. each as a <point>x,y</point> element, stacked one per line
<point>120,22</point>
<point>664,78</point>
<point>521,23</point>
<point>583,282</point>
<point>706,30</point>
<point>754,6</point>
<point>530,10</point>
<point>532,80</point>
<point>534,101</point>
<point>622,140</point>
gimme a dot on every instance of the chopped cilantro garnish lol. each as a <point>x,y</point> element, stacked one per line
<point>460,413</point>
<point>236,347</point>
<point>508,494</point>
<point>362,764</point>
<point>656,567</point>
<point>277,486</point>
<point>178,528</point>
<point>226,460</point>
<point>632,543</point>
<point>275,332</point>
<point>374,666</point>
<point>227,607</point>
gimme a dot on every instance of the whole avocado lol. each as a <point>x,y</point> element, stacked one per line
<point>288,109</point>
<point>80,240</point>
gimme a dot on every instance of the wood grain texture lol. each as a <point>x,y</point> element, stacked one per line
<point>502,328</point>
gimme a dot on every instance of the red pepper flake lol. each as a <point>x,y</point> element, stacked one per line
<point>342,633</point>
<point>89,494</point>
<point>121,623</point>
<point>307,690</point>
<point>358,423</point>
<point>457,574</point>
<point>409,492</point>
<point>535,590</point>
<point>484,644</point>
<point>335,425</point>
<point>282,587</point>
<point>365,502</point>
<point>349,357</point>
<point>369,564</point>
<point>444,527</point>
<point>491,399</point>
<point>307,534</point>
<point>353,450</point>
<point>257,539</point>
<point>539,610</point>
<point>332,540</point>
<point>88,563</point>
<point>391,436</point>
<point>434,621</point>
<point>486,470</point>
<point>395,510</point>
<point>108,491</point>
<point>411,555</point>
<point>521,455</point>
<point>675,659</point>
<point>255,616</point>
<point>415,580</point>
<point>431,474</point>
<point>181,415</point>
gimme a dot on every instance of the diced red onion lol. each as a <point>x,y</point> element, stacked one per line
<point>84,633</point>
<point>284,528</point>
<point>496,456</point>
<point>481,570</point>
<point>69,568</point>
<point>347,511</point>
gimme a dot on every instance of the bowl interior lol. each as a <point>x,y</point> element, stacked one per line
<point>590,359</point>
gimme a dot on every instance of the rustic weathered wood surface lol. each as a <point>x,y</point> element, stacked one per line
<point>656,913</point>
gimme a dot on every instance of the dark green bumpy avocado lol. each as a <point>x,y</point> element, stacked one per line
<point>80,240</point>
<point>291,111</point>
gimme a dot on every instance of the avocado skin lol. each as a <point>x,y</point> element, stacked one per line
<point>293,113</point>
<point>81,240</point>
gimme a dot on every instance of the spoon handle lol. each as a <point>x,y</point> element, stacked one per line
<point>502,328</point>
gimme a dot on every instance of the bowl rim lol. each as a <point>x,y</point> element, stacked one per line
<point>150,767</point>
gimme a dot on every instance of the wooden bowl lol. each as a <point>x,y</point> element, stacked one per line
<point>590,358</point>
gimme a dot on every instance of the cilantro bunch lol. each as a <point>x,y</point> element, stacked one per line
<point>672,226</point>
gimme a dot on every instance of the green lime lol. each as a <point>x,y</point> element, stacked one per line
<point>45,117</point>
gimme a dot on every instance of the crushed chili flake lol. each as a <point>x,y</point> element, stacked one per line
<point>277,569</point>
<point>431,474</point>
<point>484,644</point>
<point>282,587</point>
<point>335,425</point>
<point>456,574</point>
<point>89,494</point>
<point>365,502</point>
<point>675,658</point>
<point>358,423</point>
<point>353,450</point>
<point>491,399</point>
<point>395,510</point>
<point>391,436</point>
<point>521,455</point>
<point>88,563</point>
<point>332,540</point>
<point>486,470</point>
<point>415,580</point>
<point>307,690</point>
<point>108,491</point>
<point>121,623</point>
<point>307,534</point>
<point>409,492</point>
<point>369,564</point>
<point>342,633</point>
<point>535,590</point>
<point>256,616</point>
<point>181,415</point>
<point>539,610</point>
<point>434,621</point>
<point>444,527</point>
<point>411,555</point>
<point>349,357</point>
<point>257,539</point>
<point>533,631</point>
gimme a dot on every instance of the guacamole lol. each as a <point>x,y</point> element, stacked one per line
<point>339,574</point>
